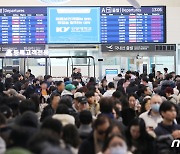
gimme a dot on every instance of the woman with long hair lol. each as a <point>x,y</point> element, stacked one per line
<point>138,140</point>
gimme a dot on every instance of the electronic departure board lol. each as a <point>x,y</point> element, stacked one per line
<point>23,25</point>
<point>127,24</point>
<point>74,25</point>
<point>70,25</point>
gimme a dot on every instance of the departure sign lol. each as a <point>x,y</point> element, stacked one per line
<point>23,25</point>
<point>69,25</point>
<point>127,24</point>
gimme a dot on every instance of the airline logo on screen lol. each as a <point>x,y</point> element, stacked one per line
<point>55,1</point>
<point>62,29</point>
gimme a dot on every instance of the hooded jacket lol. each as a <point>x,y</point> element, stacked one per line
<point>66,92</point>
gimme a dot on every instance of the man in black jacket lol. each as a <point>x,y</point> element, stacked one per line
<point>167,129</point>
<point>76,73</point>
<point>60,87</point>
<point>31,89</point>
<point>31,76</point>
<point>94,143</point>
<point>50,110</point>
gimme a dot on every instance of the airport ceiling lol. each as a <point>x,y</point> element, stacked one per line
<point>168,3</point>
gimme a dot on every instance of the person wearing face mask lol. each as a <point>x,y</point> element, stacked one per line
<point>152,116</point>
<point>115,144</point>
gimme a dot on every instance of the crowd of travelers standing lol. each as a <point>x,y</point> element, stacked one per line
<point>133,114</point>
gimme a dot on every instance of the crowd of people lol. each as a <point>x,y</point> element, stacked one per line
<point>133,114</point>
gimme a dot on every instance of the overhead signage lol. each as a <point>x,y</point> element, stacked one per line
<point>26,53</point>
<point>82,25</point>
<point>137,47</point>
<point>23,25</point>
<point>24,50</point>
<point>128,24</point>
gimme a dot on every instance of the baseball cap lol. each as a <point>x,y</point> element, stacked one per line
<point>82,100</point>
<point>70,87</point>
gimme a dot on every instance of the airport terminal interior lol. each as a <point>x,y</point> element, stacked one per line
<point>90,77</point>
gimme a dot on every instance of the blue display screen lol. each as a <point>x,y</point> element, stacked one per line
<point>23,25</point>
<point>70,25</point>
<point>127,24</point>
<point>74,25</point>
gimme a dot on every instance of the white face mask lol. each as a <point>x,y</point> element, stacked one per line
<point>118,150</point>
<point>155,107</point>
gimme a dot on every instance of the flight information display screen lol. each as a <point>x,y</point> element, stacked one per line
<point>23,25</point>
<point>74,25</point>
<point>127,24</point>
